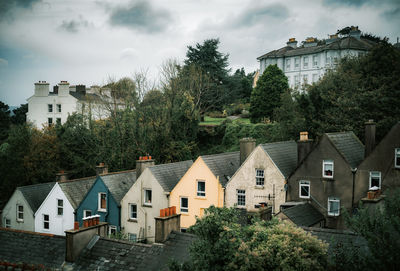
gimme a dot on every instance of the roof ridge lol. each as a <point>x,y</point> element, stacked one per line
<point>77,180</point>
<point>222,153</point>
<point>118,172</point>
<point>278,142</point>
<point>31,232</point>
<point>38,184</point>
<point>167,164</point>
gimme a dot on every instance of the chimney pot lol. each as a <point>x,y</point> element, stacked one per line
<point>142,164</point>
<point>303,136</point>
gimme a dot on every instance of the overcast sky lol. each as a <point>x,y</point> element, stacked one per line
<point>87,42</point>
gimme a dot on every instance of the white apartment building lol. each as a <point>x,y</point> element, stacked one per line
<point>307,63</point>
<point>46,108</point>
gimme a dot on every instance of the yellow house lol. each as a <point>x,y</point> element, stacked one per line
<point>203,185</point>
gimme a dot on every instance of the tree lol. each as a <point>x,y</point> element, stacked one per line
<point>266,96</point>
<point>19,116</point>
<point>4,121</point>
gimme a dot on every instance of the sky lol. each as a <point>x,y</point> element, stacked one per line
<point>92,41</point>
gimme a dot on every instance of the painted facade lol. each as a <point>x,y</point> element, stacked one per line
<point>9,214</point>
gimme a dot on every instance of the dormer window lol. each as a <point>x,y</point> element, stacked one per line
<point>397,158</point>
<point>327,169</point>
<point>375,179</point>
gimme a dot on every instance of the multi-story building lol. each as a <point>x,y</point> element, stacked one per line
<point>307,63</point>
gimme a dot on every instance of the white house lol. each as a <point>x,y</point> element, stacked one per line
<point>307,63</point>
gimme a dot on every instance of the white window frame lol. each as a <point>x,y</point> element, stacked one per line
<point>7,223</point>
<point>305,62</point>
<point>297,63</point>
<point>315,61</point>
<point>134,235</point>
<point>182,208</point>
<point>99,202</point>
<point>146,201</point>
<point>396,156</point>
<point>58,107</point>
<point>241,197</point>
<point>85,213</point>
<point>131,212</point>
<point>260,178</point>
<point>377,174</point>
<point>112,228</point>
<point>201,193</point>
<point>330,212</point>
<point>288,64</point>
<point>304,183</point>
<point>20,212</point>
<point>325,163</point>
<point>296,80</point>
<point>49,108</point>
<point>46,221</point>
<point>60,207</point>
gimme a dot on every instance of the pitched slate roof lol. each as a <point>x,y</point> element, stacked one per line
<point>339,44</point>
<point>303,215</point>
<point>75,190</point>
<point>168,175</point>
<point>31,248</point>
<point>349,146</point>
<point>35,194</point>
<point>283,154</point>
<point>110,254</point>
<point>119,183</point>
<point>84,96</point>
<point>223,165</point>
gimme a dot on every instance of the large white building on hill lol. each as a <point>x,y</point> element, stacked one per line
<point>307,63</point>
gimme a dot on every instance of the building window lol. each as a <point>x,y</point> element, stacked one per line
<point>305,79</point>
<point>59,108</point>
<point>375,179</point>
<point>201,188</point>
<point>397,158</point>
<point>132,211</point>
<point>58,121</point>
<point>50,108</point>
<point>132,237</point>
<point>333,206</point>
<point>315,77</point>
<point>288,64</point>
<point>50,121</point>
<point>241,197</point>
<point>327,169</point>
<point>296,81</point>
<point>147,197</point>
<point>112,230</point>
<point>259,177</point>
<point>102,203</point>
<point>46,222</point>
<point>184,205</point>
<point>297,63</point>
<point>304,189</point>
<point>20,213</point>
<point>305,62</point>
<point>315,61</point>
<point>87,213</point>
<point>60,207</point>
<point>7,223</point>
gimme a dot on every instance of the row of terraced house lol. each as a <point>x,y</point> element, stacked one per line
<point>308,182</point>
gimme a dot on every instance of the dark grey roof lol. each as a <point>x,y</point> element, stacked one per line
<point>168,175</point>
<point>32,248</point>
<point>223,165</point>
<point>75,190</point>
<point>122,255</point>
<point>119,183</point>
<point>84,96</point>
<point>35,194</point>
<point>339,44</point>
<point>303,215</point>
<point>283,154</point>
<point>349,146</point>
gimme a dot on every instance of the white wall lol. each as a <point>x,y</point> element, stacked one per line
<point>58,223</point>
<point>10,212</point>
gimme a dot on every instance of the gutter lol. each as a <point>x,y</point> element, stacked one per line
<point>353,171</point>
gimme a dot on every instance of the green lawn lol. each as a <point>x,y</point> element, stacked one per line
<point>218,121</point>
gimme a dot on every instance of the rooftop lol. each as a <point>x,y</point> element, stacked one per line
<point>349,146</point>
<point>35,194</point>
<point>303,215</point>
<point>223,165</point>
<point>119,183</point>
<point>283,154</point>
<point>168,175</point>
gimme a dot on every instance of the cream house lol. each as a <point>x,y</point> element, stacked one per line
<point>203,186</point>
<point>262,176</point>
<point>150,193</point>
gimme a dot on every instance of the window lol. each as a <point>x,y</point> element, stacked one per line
<point>305,79</point>
<point>201,188</point>
<point>241,197</point>
<point>46,222</point>
<point>132,211</point>
<point>184,205</point>
<point>305,62</point>
<point>327,169</point>
<point>147,197</point>
<point>50,121</point>
<point>333,206</point>
<point>102,202</point>
<point>397,158</point>
<point>112,230</point>
<point>296,80</point>
<point>315,77</point>
<point>375,179</point>
<point>87,213</point>
<point>259,177</point>
<point>315,61</point>
<point>60,205</point>
<point>288,64</point>
<point>58,121</point>
<point>20,213</point>
<point>297,63</point>
<point>50,108</point>
<point>7,223</point>
<point>59,108</point>
<point>304,189</point>
<point>132,237</point>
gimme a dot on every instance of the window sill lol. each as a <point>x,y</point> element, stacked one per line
<point>20,221</point>
<point>102,210</point>
<point>147,205</point>
<point>333,216</point>
<point>132,220</point>
<point>200,198</point>
<point>259,187</point>
<point>304,197</point>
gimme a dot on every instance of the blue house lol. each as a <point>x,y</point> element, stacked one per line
<point>104,198</point>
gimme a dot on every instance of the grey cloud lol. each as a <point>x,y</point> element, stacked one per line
<point>261,14</point>
<point>141,16</point>
<point>392,14</point>
<point>7,7</point>
<point>358,3</point>
<point>73,26</point>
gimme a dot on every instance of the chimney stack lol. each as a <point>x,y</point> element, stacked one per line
<point>304,146</point>
<point>166,223</point>
<point>370,130</point>
<point>143,163</point>
<point>292,43</point>
<point>247,145</point>
<point>101,169</point>
<point>62,176</point>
